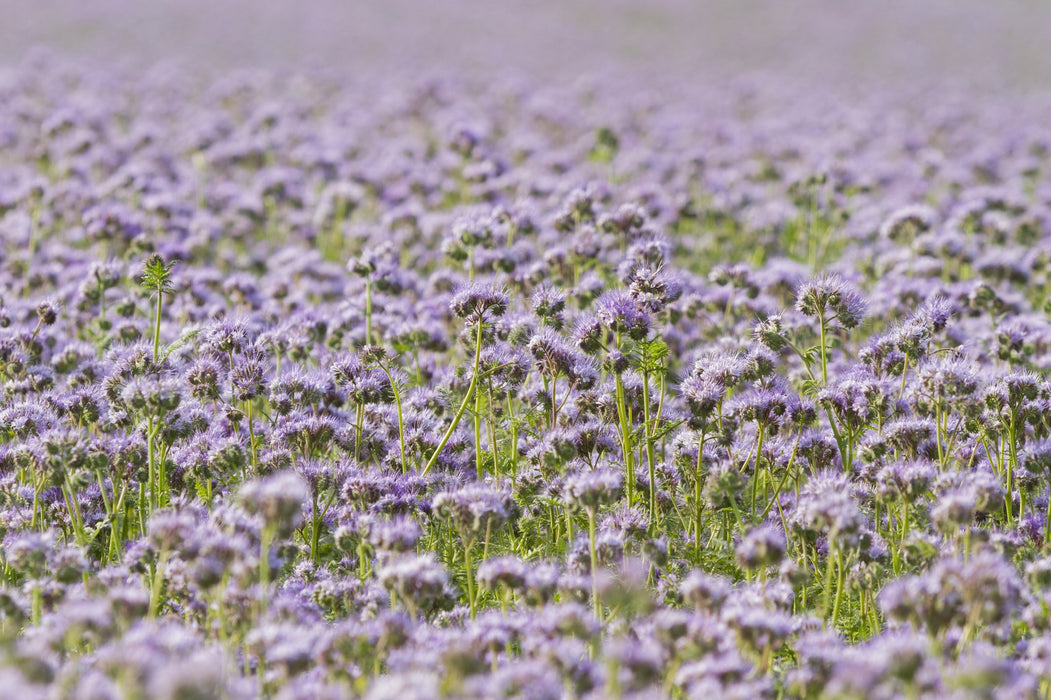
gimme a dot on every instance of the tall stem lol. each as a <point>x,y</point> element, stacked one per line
<point>151,463</point>
<point>491,422</point>
<point>1012,464</point>
<point>157,328</point>
<point>650,456</point>
<point>359,423</point>
<point>469,564</point>
<point>697,489</point>
<point>625,433</point>
<point>157,583</point>
<point>401,419</point>
<point>478,434</point>
<point>826,594</point>
<point>251,438</point>
<point>824,351</point>
<point>463,405</point>
<point>593,550</point>
<point>840,585</point>
<point>755,465</point>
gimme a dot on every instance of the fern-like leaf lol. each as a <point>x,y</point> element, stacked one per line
<point>156,275</point>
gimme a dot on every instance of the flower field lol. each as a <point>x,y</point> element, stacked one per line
<point>318,387</point>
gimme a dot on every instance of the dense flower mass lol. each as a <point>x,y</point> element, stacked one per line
<point>323,388</point>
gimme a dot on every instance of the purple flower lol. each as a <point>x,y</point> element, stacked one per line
<point>590,490</point>
<point>418,582</point>
<point>618,311</point>
<point>831,298</point>
<point>278,499</point>
<point>762,547</point>
<point>475,302</point>
<point>474,510</point>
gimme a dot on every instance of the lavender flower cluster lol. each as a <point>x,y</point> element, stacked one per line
<point>317,388</point>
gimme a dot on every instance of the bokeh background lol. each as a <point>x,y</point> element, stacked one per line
<point>990,46</point>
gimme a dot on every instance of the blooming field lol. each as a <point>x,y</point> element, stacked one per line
<point>418,388</point>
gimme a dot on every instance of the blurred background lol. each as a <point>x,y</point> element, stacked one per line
<point>997,46</point>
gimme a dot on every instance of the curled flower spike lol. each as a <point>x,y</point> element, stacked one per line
<point>476,301</point>
<point>832,298</point>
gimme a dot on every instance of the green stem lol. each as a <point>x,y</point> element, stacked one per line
<point>824,351</point>
<point>36,505</point>
<point>698,485</point>
<point>359,423</point>
<point>315,532</point>
<point>514,438</point>
<point>553,393</point>
<point>74,511</point>
<point>151,463</point>
<point>469,565</point>
<point>491,423</point>
<point>625,433</point>
<point>1012,463</point>
<point>401,420</point>
<point>116,534</point>
<point>650,456</point>
<point>826,594</point>
<point>840,585</point>
<point>477,420</point>
<point>1047,520</point>
<point>755,465</point>
<point>463,404</point>
<point>251,438</point>
<point>593,551</point>
<point>157,583</point>
<point>777,494</point>
<point>157,327</point>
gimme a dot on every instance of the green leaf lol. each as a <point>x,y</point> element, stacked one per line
<point>178,343</point>
<point>652,355</point>
<point>156,275</point>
